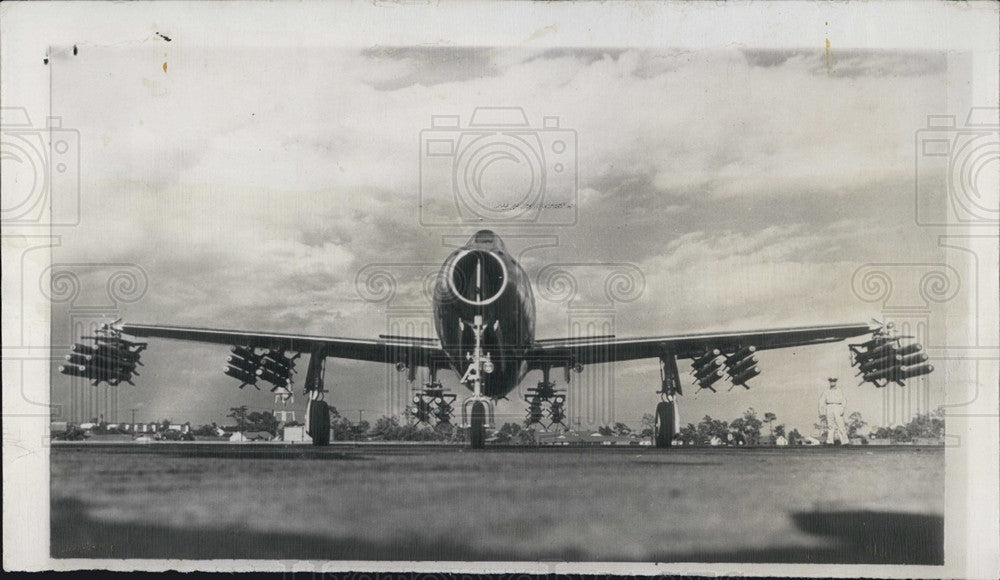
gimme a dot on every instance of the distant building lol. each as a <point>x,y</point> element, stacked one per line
<point>295,434</point>
<point>248,436</point>
<point>572,438</point>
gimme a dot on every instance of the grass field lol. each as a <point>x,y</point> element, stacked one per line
<point>196,501</point>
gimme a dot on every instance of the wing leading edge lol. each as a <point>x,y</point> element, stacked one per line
<point>562,352</point>
<point>391,350</point>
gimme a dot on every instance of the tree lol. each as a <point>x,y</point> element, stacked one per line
<point>444,431</point>
<point>239,414</point>
<point>769,418</point>
<point>794,437</point>
<point>689,435</point>
<point>508,432</point>
<point>622,430</point>
<point>648,425</point>
<point>342,427</point>
<point>605,430</point>
<point>901,434</point>
<point>927,425</point>
<point>821,427</point>
<point>526,437</point>
<point>883,433</point>
<point>204,430</point>
<point>710,427</point>
<point>854,424</point>
<point>386,429</point>
<point>265,421</point>
<point>747,427</point>
<point>360,430</point>
<point>460,435</point>
<point>72,433</point>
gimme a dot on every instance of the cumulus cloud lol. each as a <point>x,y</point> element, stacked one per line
<point>254,185</point>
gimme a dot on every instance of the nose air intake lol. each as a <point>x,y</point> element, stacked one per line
<point>477,277</point>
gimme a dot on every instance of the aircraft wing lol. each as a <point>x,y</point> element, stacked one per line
<point>560,352</point>
<point>385,349</point>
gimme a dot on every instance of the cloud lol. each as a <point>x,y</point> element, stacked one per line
<point>254,185</point>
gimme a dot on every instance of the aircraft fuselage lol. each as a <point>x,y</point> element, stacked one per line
<point>481,278</point>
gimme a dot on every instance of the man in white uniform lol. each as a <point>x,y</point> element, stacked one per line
<point>832,405</point>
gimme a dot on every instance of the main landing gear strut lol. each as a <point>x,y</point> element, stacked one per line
<point>667,417</point>
<point>481,416</point>
<point>317,410</point>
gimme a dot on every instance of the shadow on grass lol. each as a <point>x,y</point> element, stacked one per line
<point>856,537</point>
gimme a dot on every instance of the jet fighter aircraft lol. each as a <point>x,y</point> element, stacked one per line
<point>484,316</point>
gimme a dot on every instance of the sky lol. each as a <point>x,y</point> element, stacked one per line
<point>256,189</point>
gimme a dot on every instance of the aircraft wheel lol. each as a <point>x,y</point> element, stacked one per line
<point>666,419</point>
<point>319,422</point>
<point>477,430</point>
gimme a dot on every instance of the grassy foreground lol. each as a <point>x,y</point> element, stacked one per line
<point>872,505</point>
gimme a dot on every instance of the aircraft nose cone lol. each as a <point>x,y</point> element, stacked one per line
<point>486,240</point>
<point>484,237</point>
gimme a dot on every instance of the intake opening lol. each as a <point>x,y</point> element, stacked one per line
<point>478,277</point>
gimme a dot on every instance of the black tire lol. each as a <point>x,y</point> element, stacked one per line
<point>319,423</point>
<point>666,413</point>
<point>477,428</point>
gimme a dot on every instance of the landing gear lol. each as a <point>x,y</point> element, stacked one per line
<point>481,405</point>
<point>667,417</point>
<point>477,428</point>
<point>666,423</point>
<point>317,410</point>
<point>319,422</point>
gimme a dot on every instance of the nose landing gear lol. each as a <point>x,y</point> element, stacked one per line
<point>480,405</point>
